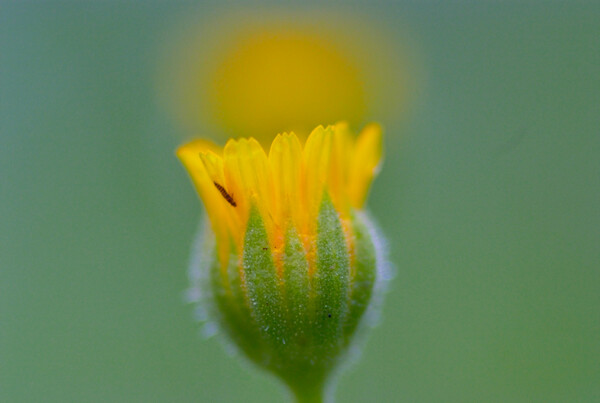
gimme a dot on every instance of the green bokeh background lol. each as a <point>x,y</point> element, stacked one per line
<point>489,197</point>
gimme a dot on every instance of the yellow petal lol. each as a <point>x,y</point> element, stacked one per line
<point>365,164</point>
<point>339,167</point>
<point>247,174</point>
<point>285,160</point>
<point>189,154</point>
<point>316,156</point>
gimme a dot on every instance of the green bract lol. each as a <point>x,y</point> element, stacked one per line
<point>299,321</point>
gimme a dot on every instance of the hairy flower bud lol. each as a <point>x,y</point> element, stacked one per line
<point>289,264</point>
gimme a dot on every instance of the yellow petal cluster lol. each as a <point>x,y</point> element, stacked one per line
<point>287,185</point>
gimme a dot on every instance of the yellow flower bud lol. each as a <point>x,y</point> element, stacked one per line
<point>288,266</point>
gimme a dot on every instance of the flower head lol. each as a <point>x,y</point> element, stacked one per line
<point>292,264</point>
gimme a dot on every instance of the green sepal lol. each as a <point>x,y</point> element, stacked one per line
<point>364,275</point>
<point>262,282</point>
<point>218,292</point>
<point>330,280</point>
<point>296,287</point>
<point>233,310</point>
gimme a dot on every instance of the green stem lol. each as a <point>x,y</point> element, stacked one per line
<point>307,384</point>
<point>308,394</point>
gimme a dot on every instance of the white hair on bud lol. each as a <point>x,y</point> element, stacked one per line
<point>199,294</point>
<point>372,316</point>
<point>385,270</point>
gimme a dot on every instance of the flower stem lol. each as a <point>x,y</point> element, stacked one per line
<point>308,386</point>
<point>309,395</point>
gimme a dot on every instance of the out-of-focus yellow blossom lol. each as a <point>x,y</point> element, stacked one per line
<point>284,78</point>
<point>255,73</point>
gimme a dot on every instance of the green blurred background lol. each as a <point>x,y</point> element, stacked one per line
<point>489,197</point>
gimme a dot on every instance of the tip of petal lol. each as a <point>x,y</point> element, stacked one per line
<point>195,147</point>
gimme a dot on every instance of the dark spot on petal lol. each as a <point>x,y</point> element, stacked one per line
<point>225,195</point>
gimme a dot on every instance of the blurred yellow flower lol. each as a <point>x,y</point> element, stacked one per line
<point>251,74</point>
<point>284,79</point>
